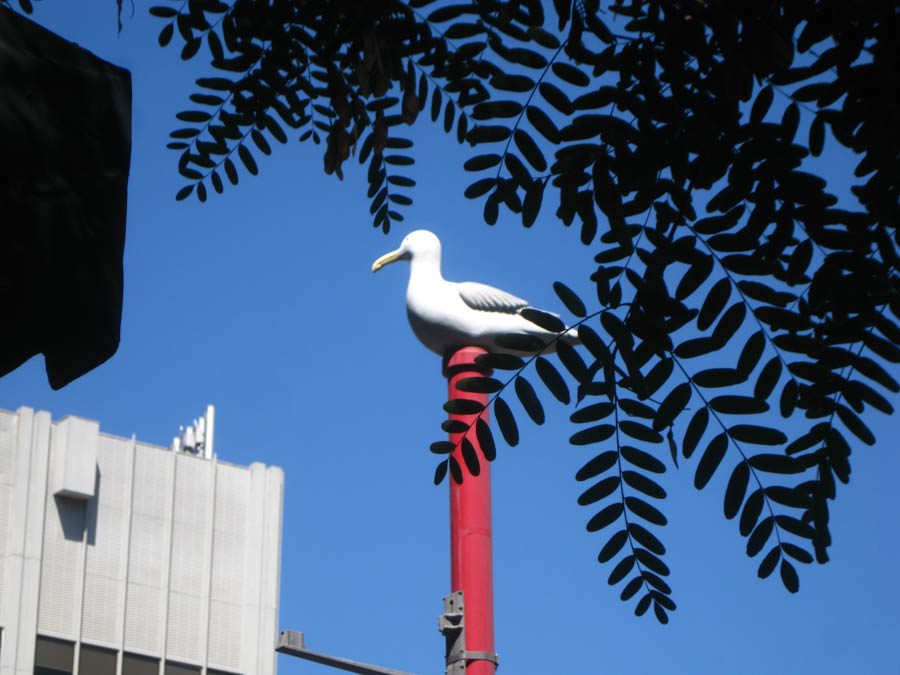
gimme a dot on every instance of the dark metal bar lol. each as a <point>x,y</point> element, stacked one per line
<point>291,642</point>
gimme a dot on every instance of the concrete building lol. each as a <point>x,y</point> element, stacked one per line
<point>122,558</point>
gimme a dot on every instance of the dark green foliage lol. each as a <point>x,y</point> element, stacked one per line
<point>774,299</point>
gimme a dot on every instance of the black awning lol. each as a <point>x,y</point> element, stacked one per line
<point>65,150</point>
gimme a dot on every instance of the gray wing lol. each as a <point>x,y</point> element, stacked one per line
<point>489,299</point>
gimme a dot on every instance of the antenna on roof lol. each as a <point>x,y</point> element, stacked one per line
<point>197,438</point>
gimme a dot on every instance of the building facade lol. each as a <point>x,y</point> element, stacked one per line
<point>123,558</point>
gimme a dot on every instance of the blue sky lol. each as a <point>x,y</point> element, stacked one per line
<point>262,302</point>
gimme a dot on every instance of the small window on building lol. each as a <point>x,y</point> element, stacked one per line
<point>52,656</point>
<point>173,668</point>
<point>136,664</point>
<point>97,660</point>
<point>213,671</point>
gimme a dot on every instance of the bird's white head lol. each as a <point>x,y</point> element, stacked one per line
<point>419,246</point>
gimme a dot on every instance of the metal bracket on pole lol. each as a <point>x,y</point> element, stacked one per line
<point>291,642</point>
<point>452,625</point>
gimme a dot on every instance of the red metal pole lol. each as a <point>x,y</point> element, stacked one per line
<point>471,560</point>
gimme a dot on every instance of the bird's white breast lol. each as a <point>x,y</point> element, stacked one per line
<point>437,315</point>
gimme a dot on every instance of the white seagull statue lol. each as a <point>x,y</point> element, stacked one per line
<point>445,315</point>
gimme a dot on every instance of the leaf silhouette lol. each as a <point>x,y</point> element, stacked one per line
<point>751,433</point>
<point>470,457</point>
<point>750,514</point>
<point>570,299</point>
<point>599,490</point>
<point>529,400</point>
<point>646,538</point>
<point>485,440</point>
<point>612,547</point>
<point>442,447</point>
<point>621,570</point>
<point>440,472</point>
<point>710,460</point>
<point>455,470</point>
<point>596,434</point>
<point>694,432</point>
<point>463,406</point>
<point>479,385</point>
<point>737,488</point>
<point>599,464</point>
<point>641,459</point>
<point>553,380</point>
<point>506,422</point>
<point>769,561</point>
<point>605,517</point>
<point>789,576</point>
<point>641,483</point>
<point>672,406</point>
<point>642,509</point>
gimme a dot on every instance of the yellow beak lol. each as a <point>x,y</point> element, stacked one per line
<point>386,259</point>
